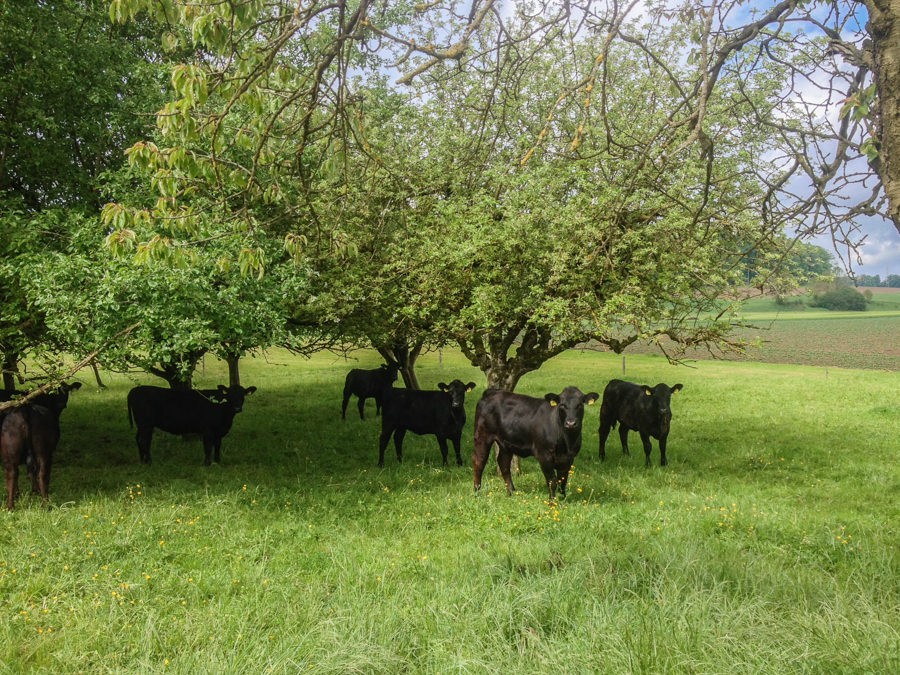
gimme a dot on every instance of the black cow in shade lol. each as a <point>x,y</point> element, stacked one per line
<point>184,411</point>
<point>368,384</point>
<point>442,413</point>
<point>29,434</point>
<point>548,429</point>
<point>637,407</point>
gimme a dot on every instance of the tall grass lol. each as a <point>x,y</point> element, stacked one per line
<point>768,545</point>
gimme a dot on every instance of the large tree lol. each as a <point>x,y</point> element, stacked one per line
<point>72,87</point>
<point>673,143</point>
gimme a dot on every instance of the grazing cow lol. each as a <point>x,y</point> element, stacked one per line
<point>548,429</point>
<point>185,411</point>
<point>368,384</point>
<point>29,435</point>
<point>442,413</point>
<point>637,407</point>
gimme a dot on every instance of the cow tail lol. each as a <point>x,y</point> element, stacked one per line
<point>604,415</point>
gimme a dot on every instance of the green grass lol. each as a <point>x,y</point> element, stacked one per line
<point>768,545</point>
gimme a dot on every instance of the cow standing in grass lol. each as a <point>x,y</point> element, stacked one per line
<point>637,407</point>
<point>548,429</point>
<point>29,434</point>
<point>442,413</point>
<point>185,411</point>
<point>368,384</point>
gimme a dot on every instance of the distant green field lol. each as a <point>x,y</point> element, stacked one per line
<point>799,334</point>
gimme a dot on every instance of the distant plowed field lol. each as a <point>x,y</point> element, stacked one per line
<point>815,337</point>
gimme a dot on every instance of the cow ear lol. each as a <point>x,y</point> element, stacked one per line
<point>249,390</point>
<point>443,386</point>
<point>647,390</point>
<point>677,387</point>
<point>591,398</point>
<point>73,386</point>
<point>222,389</point>
<point>552,399</point>
<point>470,386</point>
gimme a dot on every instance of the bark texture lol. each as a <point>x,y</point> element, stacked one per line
<point>884,29</point>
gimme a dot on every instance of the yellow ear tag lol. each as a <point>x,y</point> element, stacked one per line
<point>648,393</point>
<point>552,404</point>
<point>591,402</point>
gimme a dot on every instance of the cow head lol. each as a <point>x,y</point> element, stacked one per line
<point>660,400</point>
<point>234,396</point>
<point>569,406</point>
<point>58,399</point>
<point>457,391</point>
<point>390,370</point>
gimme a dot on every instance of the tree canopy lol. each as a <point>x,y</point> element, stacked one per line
<point>511,177</point>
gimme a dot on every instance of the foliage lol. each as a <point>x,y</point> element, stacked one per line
<point>72,90</point>
<point>765,543</point>
<point>840,298</point>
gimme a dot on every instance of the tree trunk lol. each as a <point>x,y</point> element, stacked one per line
<point>234,373</point>
<point>884,28</point>
<point>174,372</point>
<point>96,370</point>
<point>405,356</point>
<point>10,370</point>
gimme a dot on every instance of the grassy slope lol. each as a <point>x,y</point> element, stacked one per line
<point>770,543</point>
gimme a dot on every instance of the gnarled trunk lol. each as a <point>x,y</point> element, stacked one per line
<point>884,28</point>
<point>404,355</point>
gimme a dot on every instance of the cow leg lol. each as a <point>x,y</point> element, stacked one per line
<point>605,428</point>
<point>398,444</point>
<point>550,476</point>
<point>445,451</point>
<point>648,448</point>
<point>12,484</point>
<point>504,460</point>
<point>208,443</point>
<point>623,436</point>
<point>662,450</point>
<point>562,476</point>
<point>361,404</point>
<point>32,467</point>
<point>42,474</point>
<point>377,405</point>
<point>344,404</point>
<point>456,448</point>
<point>382,444</point>
<point>143,442</point>
<point>217,450</point>
<point>479,459</point>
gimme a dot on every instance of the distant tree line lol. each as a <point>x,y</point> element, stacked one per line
<point>875,281</point>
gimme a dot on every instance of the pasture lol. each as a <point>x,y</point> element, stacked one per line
<point>770,544</point>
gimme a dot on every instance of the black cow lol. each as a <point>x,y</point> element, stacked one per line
<point>442,413</point>
<point>29,434</point>
<point>368,384</point>
<point>548,429</point>
<point>637,407</point>
<point>186,411</point>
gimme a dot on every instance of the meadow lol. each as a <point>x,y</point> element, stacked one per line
<point>768,545</point>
